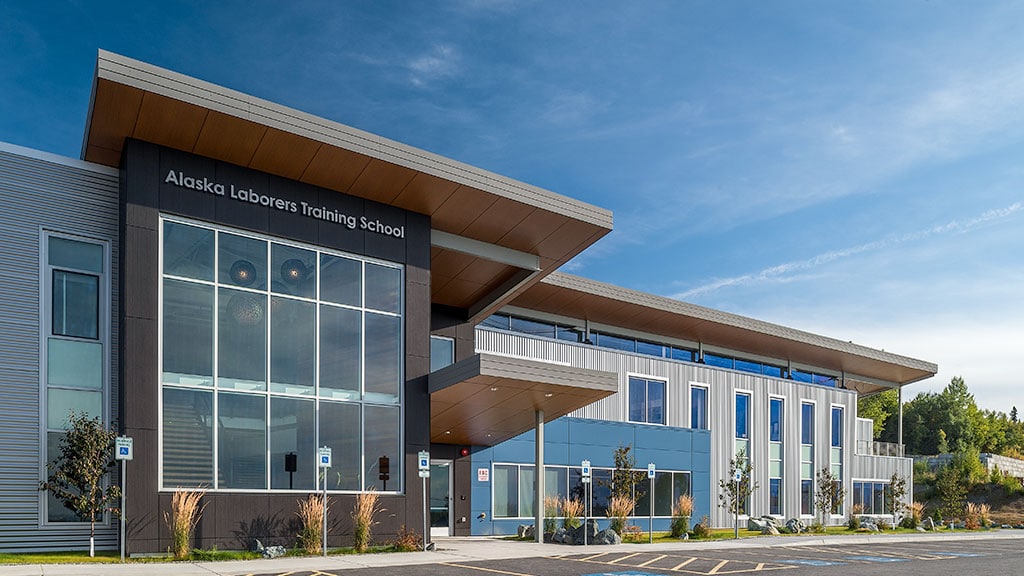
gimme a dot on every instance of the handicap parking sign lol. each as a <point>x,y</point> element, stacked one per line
<point>325,457</point>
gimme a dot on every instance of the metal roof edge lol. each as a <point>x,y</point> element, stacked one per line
<point>611,291</point>
<point>124,70</point>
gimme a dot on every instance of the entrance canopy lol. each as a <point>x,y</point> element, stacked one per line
<point>487,399</point>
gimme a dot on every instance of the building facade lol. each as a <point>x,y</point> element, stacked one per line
<point>235,284</point>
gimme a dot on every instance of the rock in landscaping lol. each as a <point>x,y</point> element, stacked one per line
<point>795,526</point>
<point>928,524</point>
<point>607,536</point>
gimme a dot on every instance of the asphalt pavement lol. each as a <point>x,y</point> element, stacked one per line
<point>476,549</point>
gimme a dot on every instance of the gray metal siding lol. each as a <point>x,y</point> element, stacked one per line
<point>722,386</point>
<point>40,192</point>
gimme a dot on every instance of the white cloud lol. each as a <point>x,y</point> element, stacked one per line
<point>779,272</point>
<point>441,62</point>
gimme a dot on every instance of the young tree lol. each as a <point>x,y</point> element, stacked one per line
<point>828,498</point>
<point>77,475</point>
<point>627,481</point>
<point>733,495</point>
<point>952,491</point>
<point>895,493</point>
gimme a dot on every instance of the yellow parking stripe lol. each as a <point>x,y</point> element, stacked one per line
<point>652,561</point>
<point>623,558</point>
<point>760,566</point>
<point>683,563</point>
<point>482,569</point>
<point>716,568</point>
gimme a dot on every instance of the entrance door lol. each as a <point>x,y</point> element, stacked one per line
<point>440,497</point>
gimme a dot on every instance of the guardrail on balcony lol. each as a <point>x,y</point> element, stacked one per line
<point>867,448</point>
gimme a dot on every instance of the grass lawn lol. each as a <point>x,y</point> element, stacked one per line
<point>112,557</point>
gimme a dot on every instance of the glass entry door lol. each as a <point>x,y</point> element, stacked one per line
<point>440,497</point>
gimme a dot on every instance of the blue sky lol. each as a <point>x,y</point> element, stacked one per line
<point>848,168</point>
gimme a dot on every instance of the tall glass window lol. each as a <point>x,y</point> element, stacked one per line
<point>775,420</point>
<point>836,451</point>
<point>76,292</point>
<point>806,458</point>
<point>742,448</point>
<point>646,400</point>
<point>270,349</point>
<point>698,407</point>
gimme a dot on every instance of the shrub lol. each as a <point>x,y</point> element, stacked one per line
<point>407,540</point>
<point>619,508</point>
<point>702,529</point>
<point>854,522</point>
<point>367,507</point>
<point>972,519</point>
<point>914,517</point>
<point>551,505</point>
<point>883,524</point>
<point>182,520</point>
<point>985,515</point>
<point>681,512</point>
<point>311,516</point>
<point>1011,486</point>
<point>572,509</point>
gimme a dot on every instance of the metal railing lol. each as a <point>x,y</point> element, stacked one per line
<point>868,448</point>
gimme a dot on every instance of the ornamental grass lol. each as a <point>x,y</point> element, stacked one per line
<point>182,519</point>
<point>366,508</point>
<point>311,517</point>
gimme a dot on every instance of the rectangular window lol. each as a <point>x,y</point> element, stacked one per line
<point>718,361</point>
<point>742,415</point>
<point>776,414</point>
<point>775,496</point>
<point>806,458</point>
<point>806,497</point>
<point>836,449</point>
<point>615,342</point>
<point>271,349</point>
<point>75,343</point>
<point>775,420</point>
<point>442,352</point>
<point>506,491</point>
<point>533,327</point>
<point>646,400</point>
<point>698,407</point>
<point>806,423</point>
<point>837,427</point>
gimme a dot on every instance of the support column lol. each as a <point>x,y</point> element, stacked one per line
<point>539,478</point>
<point>899,427</point>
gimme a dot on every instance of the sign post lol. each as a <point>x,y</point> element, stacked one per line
<point>585,477</point>
<point>324,461</point>
<point>736,476</point>
<point>650,475</point>
<point>423,461</point>
<point>124,451</point>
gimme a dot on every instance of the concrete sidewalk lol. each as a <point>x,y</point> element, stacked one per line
<point>467,550</point>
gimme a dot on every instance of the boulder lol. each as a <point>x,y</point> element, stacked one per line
<point>756,524</point>
<point>575,536</point>
<point>770,530</point>
<point>558,536</point>
<point>868,525</point>
<point>607,536</point>
<point>795,526</point>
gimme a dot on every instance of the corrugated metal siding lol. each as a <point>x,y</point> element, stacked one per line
<point>41,193</point>
<point>722,386</point>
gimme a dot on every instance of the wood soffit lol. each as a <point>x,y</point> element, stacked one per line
<point>132,99</point>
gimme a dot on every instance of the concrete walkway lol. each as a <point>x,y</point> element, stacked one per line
<point>467,550</point>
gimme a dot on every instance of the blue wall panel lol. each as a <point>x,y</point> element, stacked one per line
<point>567,441</point>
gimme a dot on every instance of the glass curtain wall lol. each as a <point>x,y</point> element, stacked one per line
<point>270,349</point>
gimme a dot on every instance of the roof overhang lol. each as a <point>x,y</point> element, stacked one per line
<point>867,370</point>
<point>132,99</point>
<point>486,399</point>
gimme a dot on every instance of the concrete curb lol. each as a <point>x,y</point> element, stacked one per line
<point>471,550</point>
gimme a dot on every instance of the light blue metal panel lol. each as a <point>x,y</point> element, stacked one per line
<point>42,192</point>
